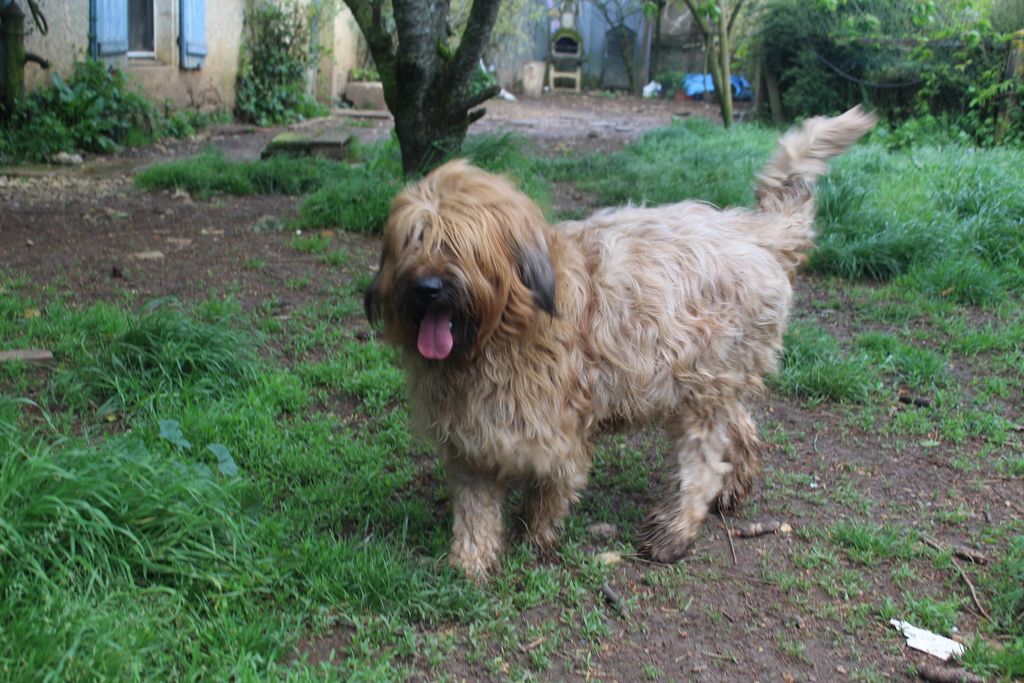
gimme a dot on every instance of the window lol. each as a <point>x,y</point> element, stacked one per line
<point>140,28</point>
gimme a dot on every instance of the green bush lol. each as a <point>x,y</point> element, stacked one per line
<point>95,111</point>
<point>92,111</point>
<point>276,55</point>
<point>941,61</point>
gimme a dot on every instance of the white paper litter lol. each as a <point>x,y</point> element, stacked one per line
<point>926,641</point>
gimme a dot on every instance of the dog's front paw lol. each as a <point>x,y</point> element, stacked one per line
<point>477,561</point>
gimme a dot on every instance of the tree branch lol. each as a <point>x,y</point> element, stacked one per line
<point>482,16</point>
<point>732,19</point>
<point>700,22</point>
<point>482,97</point>
<point>367,14</point>
<point>475,115</point>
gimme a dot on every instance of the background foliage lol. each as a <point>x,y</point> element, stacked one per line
<point>94,110</point>
<point>941,61</point>
<point>275,59</point>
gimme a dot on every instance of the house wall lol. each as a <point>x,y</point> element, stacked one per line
<point>160,77</point>
<point>211,87</point>
<point>344,52</point>
<point>66,43</point>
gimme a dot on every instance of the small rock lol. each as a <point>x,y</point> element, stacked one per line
<point>841,670</point>
<point>65,159</point>
<point>181,194</point>
<point>602,531</point>
<point>785,528</point>
<point>29,243</point>
<point>609,558</point>
<point>153,255</point>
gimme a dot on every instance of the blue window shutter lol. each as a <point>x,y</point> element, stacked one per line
<point>110,27</point>
<point>192,37</point>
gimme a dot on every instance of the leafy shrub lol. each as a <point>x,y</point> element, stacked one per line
<point>92,111</point>
<point>942,61</point>
<point>272,76</point>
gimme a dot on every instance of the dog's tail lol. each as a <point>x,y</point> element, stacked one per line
<point>786,185</point>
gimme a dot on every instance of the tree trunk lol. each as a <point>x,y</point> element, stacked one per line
<point>724,88</point>
<point>774,99</point>
<point>426,83</point>
<point>717,46</point>
<point>1014,71</point>
<point>656,41</point>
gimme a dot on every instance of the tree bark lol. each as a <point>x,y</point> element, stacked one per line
<point>725,75</point>
<point>656,42</point>
<point>426,83</point>
<point>718,47</point>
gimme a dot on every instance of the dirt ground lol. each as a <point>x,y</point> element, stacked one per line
<point>89,232</point>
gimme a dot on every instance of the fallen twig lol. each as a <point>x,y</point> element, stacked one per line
<point>612,598</point>
<point>533,644</point>
<point>947,674</point>
<point>974,593</point>
<point>966,553</point>
<point>27,356</point>
<point>728,536</point>
<point>760,529</point>
<point>961,551</point>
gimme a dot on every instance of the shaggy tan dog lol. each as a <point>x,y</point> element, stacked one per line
<point>522,341</point>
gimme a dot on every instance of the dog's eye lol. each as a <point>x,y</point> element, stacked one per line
<point>419,236</point>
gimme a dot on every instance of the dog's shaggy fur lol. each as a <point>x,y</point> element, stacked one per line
<point>521,341</point>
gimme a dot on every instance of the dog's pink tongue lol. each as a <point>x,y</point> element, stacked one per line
<point>435,341</point>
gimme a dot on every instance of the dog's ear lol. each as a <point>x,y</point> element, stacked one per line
<point>538,274</point>
<point>371,300</point>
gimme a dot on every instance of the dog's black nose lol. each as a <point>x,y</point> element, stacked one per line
<point>428,287</point>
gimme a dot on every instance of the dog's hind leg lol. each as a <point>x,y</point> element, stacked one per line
<point>706,441</point>
<point>745,446</point>
<point>478,532</point>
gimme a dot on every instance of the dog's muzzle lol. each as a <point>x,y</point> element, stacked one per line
<point>429,305</point>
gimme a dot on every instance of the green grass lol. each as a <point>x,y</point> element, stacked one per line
<point>184,497</point>
<point>947,221</point>
<point>815,368</point>
<point>667,165</point>
<point>229,516</point>
<point>223,514</point>
<point>210,173</point>
<point>311,244</point>
<point>355,197</point>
